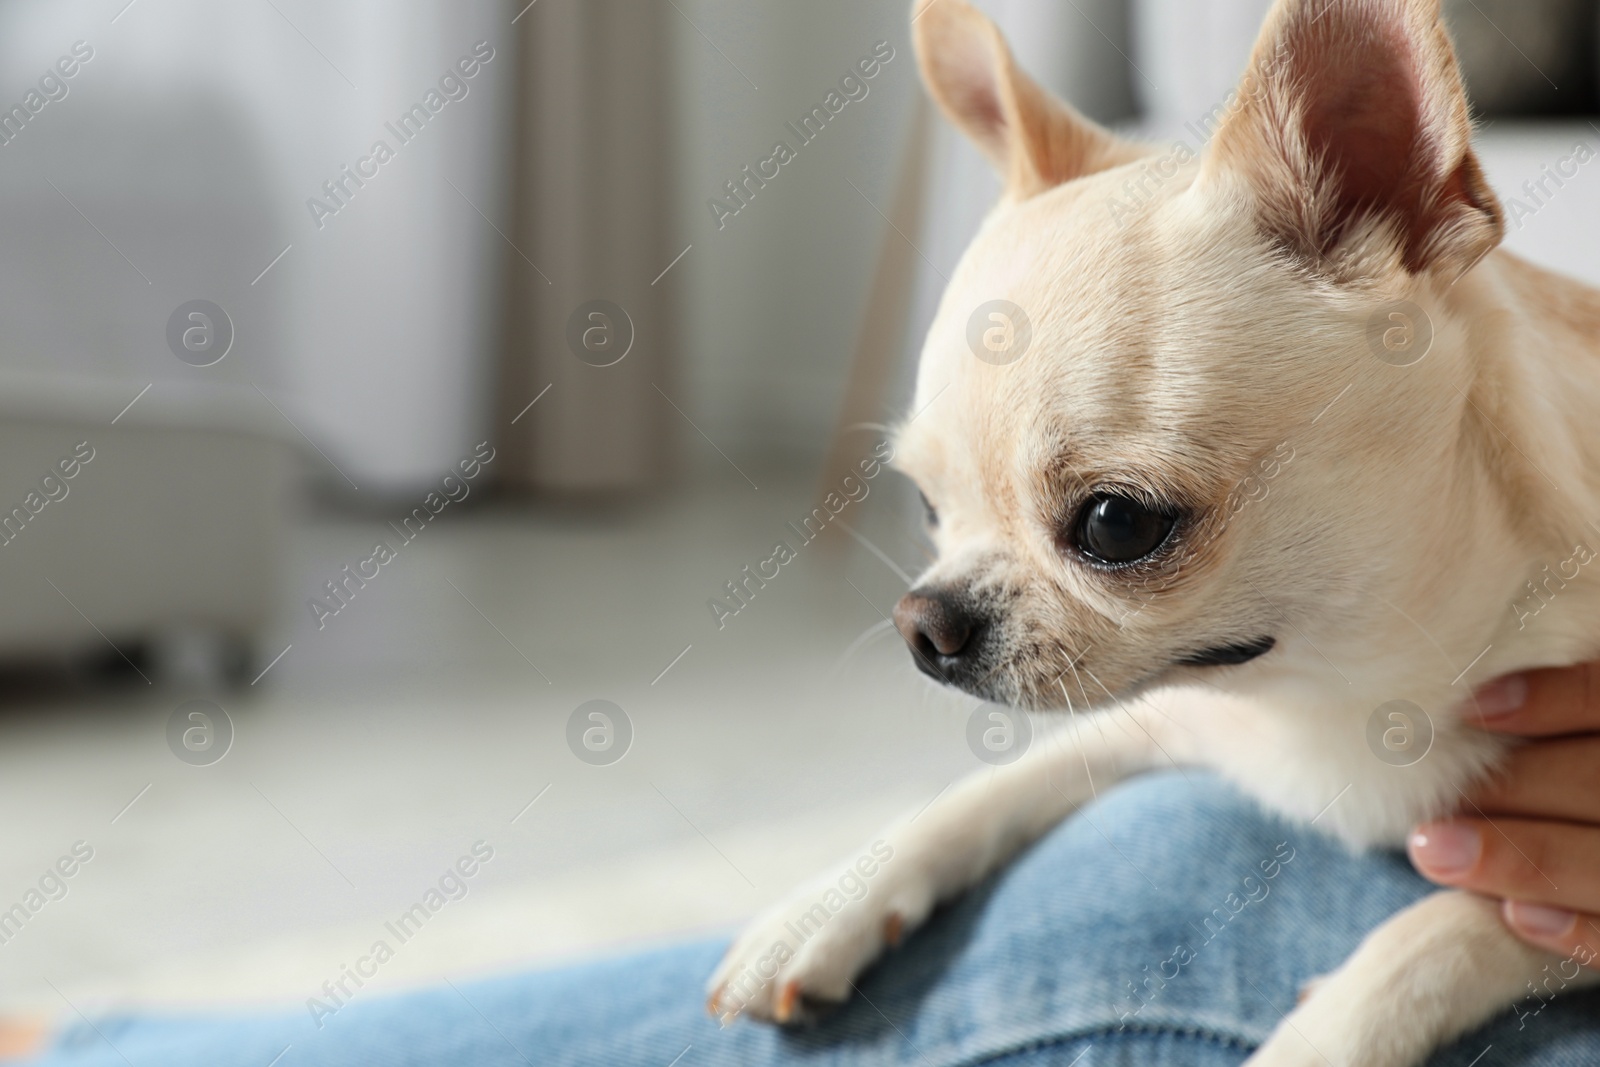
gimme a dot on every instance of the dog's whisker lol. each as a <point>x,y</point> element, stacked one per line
<point>1073,667</point>
<point>1128,714</point>
<point>1063,687</point>
<point>1099,727</point>
<point>1087,703</point>
<point>882,626</point>
<point>1094,794</point>
<point>877,427</point>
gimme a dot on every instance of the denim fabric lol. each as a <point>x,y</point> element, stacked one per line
<point>1171,923</point>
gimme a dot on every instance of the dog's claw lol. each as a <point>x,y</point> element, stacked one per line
<point>893,928</point>
<point>788,1000</point>
<point>714,1008</point>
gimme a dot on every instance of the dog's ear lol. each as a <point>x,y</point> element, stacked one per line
<point>1352,114</point>
<point>1033,139</point>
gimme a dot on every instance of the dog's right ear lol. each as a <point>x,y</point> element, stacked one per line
<point>1034,140</point>
<point>1352,118</point>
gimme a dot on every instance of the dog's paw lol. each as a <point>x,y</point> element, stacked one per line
<point>801,957</point>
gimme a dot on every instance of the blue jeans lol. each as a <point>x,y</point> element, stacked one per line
<point>1174,928</point>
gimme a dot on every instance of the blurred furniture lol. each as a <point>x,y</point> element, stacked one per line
<point>592,200</point>
<point>164,548</point>
<point>1527,57</point>
<point>387,315</point>
<point>168,538</point>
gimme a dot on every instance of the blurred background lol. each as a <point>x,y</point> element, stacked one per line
<point>501,288</point>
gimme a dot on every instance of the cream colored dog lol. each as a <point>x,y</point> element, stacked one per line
<point>1317,299</point>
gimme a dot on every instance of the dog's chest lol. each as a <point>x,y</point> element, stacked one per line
<point>1365,782</point>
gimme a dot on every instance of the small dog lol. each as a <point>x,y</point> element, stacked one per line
<point>1313,307</point>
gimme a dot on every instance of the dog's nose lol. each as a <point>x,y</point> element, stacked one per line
<point>941,632</point>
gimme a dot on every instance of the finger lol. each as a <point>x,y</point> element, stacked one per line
<point>1550,863</point>
<point>1548,780</point>
<point>1543,703</point>
<point>1572,936</point>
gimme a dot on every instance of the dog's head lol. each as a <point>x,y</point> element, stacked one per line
<point>1170,416</point>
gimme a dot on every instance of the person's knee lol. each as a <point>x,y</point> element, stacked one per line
<point>1188,816</point>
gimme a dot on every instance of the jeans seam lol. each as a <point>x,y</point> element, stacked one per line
<point>1149,1029</point>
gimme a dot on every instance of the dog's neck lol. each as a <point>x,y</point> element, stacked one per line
<point>1514,581</point>
<point>1535,408</point>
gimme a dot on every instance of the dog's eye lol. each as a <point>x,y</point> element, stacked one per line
<point>1114,529</point>
<point>930,513</point>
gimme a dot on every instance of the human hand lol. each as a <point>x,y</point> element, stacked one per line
<point>1531,837</point>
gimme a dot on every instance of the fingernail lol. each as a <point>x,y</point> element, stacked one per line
<point>1445,849</point>
<point>1538,921</point>
<point>1502,697</point>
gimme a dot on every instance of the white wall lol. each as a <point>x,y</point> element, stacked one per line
<point>774,297</point>
<point>1192,53</point>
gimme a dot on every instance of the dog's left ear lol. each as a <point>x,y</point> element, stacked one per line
<point>1352,115</point>
<point>1034,140</point>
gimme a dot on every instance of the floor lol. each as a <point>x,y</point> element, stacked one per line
<point>431,714</point>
